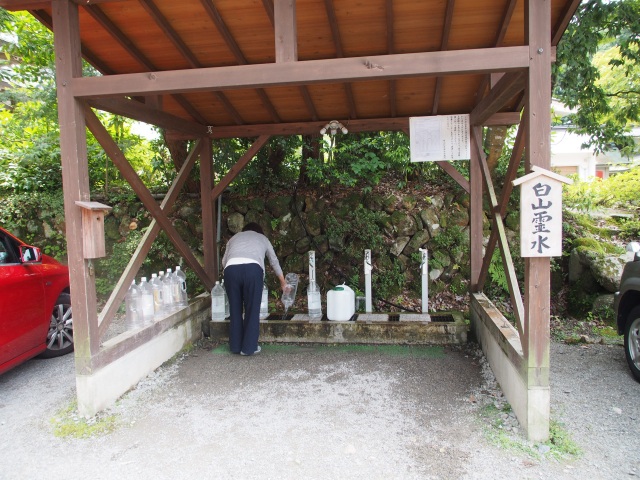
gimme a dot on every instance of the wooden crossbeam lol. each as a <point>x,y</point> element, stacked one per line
<point>383,67</point>
<point>391,49</point>
<point>142,250</point>
<point>507,87</point>
<point>117,157</point>
<point>498,225</point>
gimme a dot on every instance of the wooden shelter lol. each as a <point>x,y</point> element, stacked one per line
<point>209,69</point>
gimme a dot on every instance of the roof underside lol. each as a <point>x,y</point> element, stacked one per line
<point>135,36</point>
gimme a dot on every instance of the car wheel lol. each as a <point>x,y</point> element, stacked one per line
<point>632,342</point>
<point>60,335</point>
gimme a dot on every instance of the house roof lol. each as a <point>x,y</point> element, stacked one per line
<point>139,36</point>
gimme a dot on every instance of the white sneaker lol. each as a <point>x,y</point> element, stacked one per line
<point>257,351</point>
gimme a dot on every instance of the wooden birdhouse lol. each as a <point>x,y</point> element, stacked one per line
<point>93,243</point>
<point>541,213</point>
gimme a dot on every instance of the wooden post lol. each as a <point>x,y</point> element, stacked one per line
<point>475,217</point>
<point>286,31</point>
<point>209,226</point>
<point>537,270</point>
<point>75,178</point>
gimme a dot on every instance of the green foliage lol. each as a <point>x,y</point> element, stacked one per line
<point>497,273</point>
<point>605,90</point>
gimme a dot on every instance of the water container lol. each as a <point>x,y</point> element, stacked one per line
<point>133,316</point>
<point>289,293</point>
<point>180,288</point>
<point>264,303</point>
<point>217,303</point>
<point>156,287</point>
<point>341,303</point>
<point>314,301</point>
<point>147,301</point>
<point>227,312</point>
<point>167,292</point>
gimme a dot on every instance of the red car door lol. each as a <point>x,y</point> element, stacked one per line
<point>23,326</point>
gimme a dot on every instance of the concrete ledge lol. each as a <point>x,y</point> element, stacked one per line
<point>126,359</point>
<point>501,344</point>
<point>376,330</point>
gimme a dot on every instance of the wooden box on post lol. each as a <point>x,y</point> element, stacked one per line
<point>93,244</point>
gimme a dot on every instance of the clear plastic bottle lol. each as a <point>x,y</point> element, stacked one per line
<point>227,312</point>
<point>217,303</point>
<point>146,294</point>
<point>289,293</point>
<point>180,288</point>
<point>156,287</point>
<point>167,292</point>
<point>133,315</point>
<point>264,304</point>
<point>314,301</point>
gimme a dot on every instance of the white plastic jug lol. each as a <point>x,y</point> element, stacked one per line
<point>341,303</point>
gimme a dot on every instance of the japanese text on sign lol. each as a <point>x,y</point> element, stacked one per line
<point>541,218</point>
<point>443,137</point>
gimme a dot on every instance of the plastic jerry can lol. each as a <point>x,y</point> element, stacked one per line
<point>341,303</point>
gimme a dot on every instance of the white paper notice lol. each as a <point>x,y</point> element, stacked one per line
<point>443,137</point>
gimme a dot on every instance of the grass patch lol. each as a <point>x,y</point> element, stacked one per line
<point>67,423</point>
<point>560,445</point>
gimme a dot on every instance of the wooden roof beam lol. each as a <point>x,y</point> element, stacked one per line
<point>391,49</point>
<point>304,91</point>
<point>286,31</point>
<point>224,31</point>
<point>444,45</point>
<point>383,67</point>
<point>188,55</point>
<point>311,128</point>
<point>337,41</point>
<point>136,54</point>
<point>507,87</point>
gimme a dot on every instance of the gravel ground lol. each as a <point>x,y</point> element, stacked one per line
<point>317,412</point>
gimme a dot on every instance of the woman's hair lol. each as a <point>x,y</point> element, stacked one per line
<point>254,227</point>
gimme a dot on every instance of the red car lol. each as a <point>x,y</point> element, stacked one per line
<point>35,304</point>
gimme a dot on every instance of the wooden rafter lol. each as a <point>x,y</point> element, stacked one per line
<point>309,72</point>
<point>391,49</point>
<point>231,43</point>
<point>498,225</point>
<point>444,43</point>
<point>564,20</point>
<point>43,17</point>
<point>286,31</point>
<point>135,53</point>
<point>504,25</point>
<point>143,248</point>
<point>304,91</point>
<point>337,42</point>
<point>117,157</point>
<point>164,25</point>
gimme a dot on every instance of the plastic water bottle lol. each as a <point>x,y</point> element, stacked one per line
<point>167,292</point>
<point>313,301</point>
<point>156,288</point>
<point>146,294</point>
<point>289,294</point>
<point>180,288</point>
<point>133,316</point>
<point>227,313</point>
<point>264,304</point>
<point>217,303</point>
